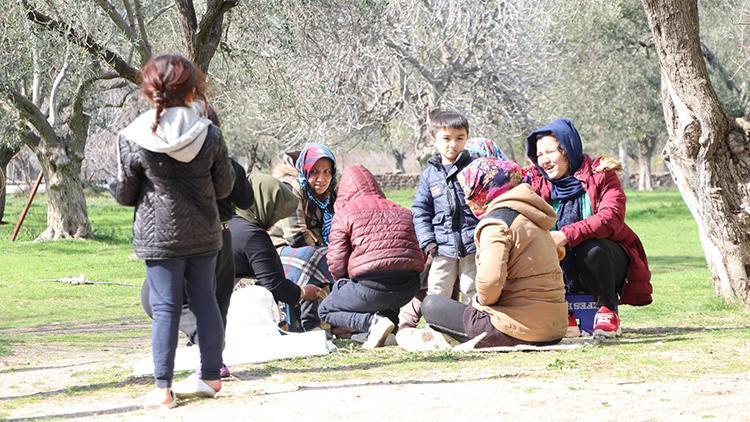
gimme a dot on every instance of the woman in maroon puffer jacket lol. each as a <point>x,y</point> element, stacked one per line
<point>374,255</point>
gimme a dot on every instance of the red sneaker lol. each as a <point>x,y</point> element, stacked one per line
<point>606,323</point>
<point>573,329</point>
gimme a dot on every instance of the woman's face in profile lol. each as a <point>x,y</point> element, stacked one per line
<point>551,158</point>
<point>320,176</point>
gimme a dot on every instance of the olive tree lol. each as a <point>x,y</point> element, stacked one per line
<point>707,153</point>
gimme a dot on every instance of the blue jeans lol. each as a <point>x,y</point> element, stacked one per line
<point>168,279</point>
<point>352,303</point>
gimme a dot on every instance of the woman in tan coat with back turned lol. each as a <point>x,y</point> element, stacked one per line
<point>520,293</point>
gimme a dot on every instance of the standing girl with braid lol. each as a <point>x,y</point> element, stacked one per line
<point>172,166</point>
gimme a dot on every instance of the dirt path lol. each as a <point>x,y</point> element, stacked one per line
<point>51,375</point>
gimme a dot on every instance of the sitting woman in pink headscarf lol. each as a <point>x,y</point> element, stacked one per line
<point>302,239</point>
<point>520,292</point>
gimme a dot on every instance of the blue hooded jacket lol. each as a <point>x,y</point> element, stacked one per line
<point>441,215</point>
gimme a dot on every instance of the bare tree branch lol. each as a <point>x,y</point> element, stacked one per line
<point>52,119</point>
<point>127,28</point>
<point>85,41</point>
<point>157,14</point>
<point>141,26</point>
<point>29,112</point>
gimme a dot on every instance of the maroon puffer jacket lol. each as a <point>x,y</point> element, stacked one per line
<point>608,222</point>
<point>369,233</point>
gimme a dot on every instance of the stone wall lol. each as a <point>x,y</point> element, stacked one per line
<point>398,181</point>
<point>661,180</point>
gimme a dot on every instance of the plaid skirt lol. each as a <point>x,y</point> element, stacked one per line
<point>306,265</point>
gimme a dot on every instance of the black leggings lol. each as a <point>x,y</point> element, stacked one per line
<point>445,315</point>
<point>464,322</point>
<point>602,267</point>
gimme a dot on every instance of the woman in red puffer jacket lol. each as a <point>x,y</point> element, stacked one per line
<point>604,255</point>
<point>374,255</point>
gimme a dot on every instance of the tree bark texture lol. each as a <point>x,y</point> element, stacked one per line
<point>7,152</point>
<point>3,190</point>
<point>707,154</point>
<point>645,152</point>
<point>66,203</point>
<point>622,148</point>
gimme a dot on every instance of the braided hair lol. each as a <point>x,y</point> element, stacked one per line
<point>171,80</point>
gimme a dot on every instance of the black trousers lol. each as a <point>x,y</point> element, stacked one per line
<point>464,322</point>
<point>352,303</point>
<point>602,267</point>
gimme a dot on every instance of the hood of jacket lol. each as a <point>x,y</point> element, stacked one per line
<point>180,134</point>
<point>523,200</point>
<point>355,182</point>
<point>273,200</point>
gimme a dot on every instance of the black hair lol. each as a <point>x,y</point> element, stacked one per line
<point>448,119</point>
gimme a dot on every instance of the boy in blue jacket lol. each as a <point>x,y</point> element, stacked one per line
<point>443,222</point>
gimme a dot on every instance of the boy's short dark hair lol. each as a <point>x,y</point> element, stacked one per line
<point>448,119</point>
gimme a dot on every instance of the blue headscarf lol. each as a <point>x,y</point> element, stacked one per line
<point>567,189</point>
<point>310,155</point>
<point>483,147</point>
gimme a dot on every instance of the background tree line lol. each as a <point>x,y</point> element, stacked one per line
<point>362,74</point>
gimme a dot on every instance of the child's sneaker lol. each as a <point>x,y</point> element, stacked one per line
<point>380,327</point>
<point>606,323</point>
<point>573,329</point>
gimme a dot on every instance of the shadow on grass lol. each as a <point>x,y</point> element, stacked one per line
<point>246,375</point>
<point>648,335</point>
<point>399,382</point>
<point>112,411</point>
<point>140,380</point>
<point>42,368</point>
<point>676,263</point>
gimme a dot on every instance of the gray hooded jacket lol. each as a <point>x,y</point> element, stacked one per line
<point>173,178</point>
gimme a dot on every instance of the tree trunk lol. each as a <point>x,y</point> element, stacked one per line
<point>66,203</point>
<point>625,173</point>
<point>423,148</point>
<point>3,190</point>
<point>644,170</point>
<point>399,157</point>
<point>644,174</point>
<point>707,154</point>
<point>7,152</point>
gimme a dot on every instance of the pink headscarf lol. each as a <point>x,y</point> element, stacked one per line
<point>487,178</point>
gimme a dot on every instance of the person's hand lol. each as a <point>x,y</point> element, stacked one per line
<point>309,292</point>
<point>431,250</point>
<point>559,238</point>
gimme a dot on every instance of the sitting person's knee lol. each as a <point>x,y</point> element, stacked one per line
<point>431,305</point>
<point>590,252</point>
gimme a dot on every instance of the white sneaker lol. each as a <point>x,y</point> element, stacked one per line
<point>155,400</point>
<point>193,386</point>
<point>379,330</point>
<point>422,339</point>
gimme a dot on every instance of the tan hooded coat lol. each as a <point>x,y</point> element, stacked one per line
<point>519,282</point>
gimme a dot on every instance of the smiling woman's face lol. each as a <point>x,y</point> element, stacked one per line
<point>551,158</point>
<point>320,176</point>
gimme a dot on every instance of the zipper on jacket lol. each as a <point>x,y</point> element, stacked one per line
<point>453,206</point>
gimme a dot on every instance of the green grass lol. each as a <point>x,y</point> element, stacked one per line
<point>30,297</point>
<point>664,341</point>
